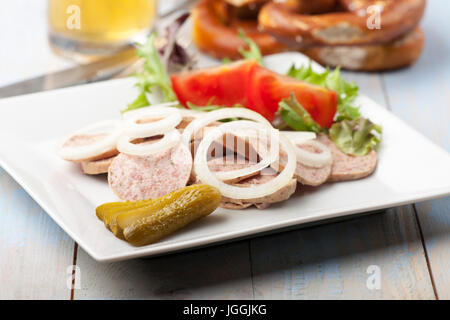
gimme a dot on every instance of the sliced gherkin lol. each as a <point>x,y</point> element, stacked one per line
<point>163,216</point>
<point>109,211</point>
<point>104,209</point>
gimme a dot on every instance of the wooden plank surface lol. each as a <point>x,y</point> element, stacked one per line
<point>332,261</point>
<point>421,96</point>
<point>221,272</point>
<point>34,252</point>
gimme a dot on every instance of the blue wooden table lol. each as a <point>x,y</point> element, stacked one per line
<point>408,247</point>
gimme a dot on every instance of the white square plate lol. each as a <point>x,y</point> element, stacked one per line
<point>411,169</point>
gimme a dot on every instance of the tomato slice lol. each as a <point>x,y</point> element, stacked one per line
<point>254,87</point>
<point>267,89</point>
<point>224,85</point>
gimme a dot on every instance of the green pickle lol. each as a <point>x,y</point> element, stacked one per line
<point>109,212</point>
<point>106,208</point>
<point>146,222</point>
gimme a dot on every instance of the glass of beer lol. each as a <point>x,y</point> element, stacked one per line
<point>88,29</point>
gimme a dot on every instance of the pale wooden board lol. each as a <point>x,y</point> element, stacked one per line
<point>221,272</point>
<point>330,262</point>
<point>34,252</point>
<point>421,96</point>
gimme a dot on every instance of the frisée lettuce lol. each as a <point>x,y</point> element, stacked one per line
<point>253,52</point>
<point>356,137</point>
<point>154,74</point>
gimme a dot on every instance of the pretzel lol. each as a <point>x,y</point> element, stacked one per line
<point>229,10</point>
<point>232,10</point>
<point>379,57</point>
<point>349,27</point>
<point>242,3</point>
<point>220,38</point>
<point>310,6</point>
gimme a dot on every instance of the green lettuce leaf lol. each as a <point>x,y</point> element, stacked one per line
<point>226,61</point>
<point>154,75</point>
<point>140,102</point>
<point>296,117</point>
<point>357,137</point>
<point>347,92</point>
<point>253,52</point>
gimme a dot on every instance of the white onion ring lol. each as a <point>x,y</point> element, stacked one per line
<point>225,113</point>
<point>299,136</point>
<point>172,117</point>
<point>96,148</point>
<point>170,140</point>
<point>166,107</point>
<point>252,192</point>
<point>312,159</point>
<point>163,106</point>
<point>191,113</point>
<point>268,158</point>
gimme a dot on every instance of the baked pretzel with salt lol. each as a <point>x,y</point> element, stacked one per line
<point>216,32</point>
<point>287,21</point>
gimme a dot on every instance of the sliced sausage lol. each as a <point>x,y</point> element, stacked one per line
<point>231,143</point>
<point>96,167</point>
<point>235,206</point>
<point>223,165</point>
<point>139,178</point>
<point>312,176</point>
<point>261,203</point>
<point>306,175</point>
<point>254,179</point>
<point>347,167</point>
<point>81,140</point>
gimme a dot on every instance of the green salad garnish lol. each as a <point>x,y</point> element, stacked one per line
<point>356,137</point>
<point>296,116</point>
<point>347,92</point>
<point>154,75</point>
<point>253,52</point>
<point>352,134</point>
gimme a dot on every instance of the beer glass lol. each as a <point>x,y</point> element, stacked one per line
<point>87,29</point>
